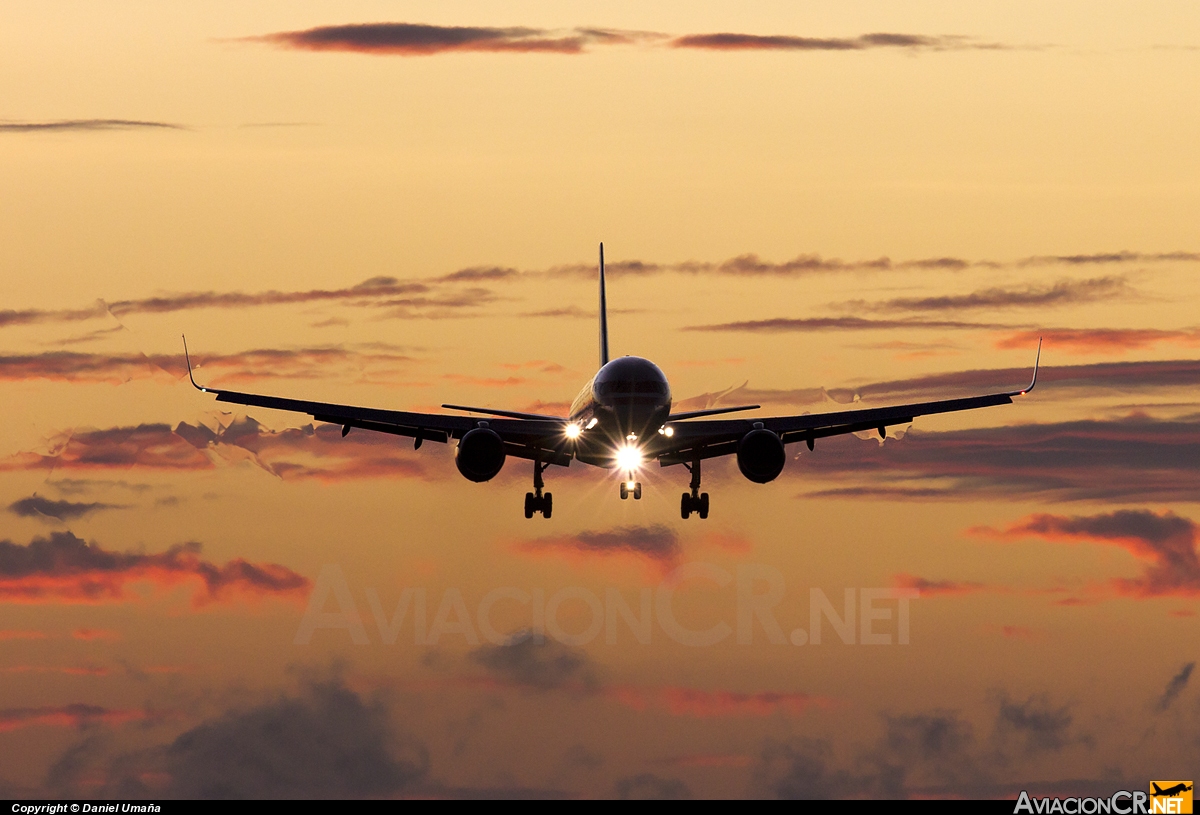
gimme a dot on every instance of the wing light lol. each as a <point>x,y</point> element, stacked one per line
<point>572,430</point>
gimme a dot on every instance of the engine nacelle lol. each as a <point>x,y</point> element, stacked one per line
<point>480,454</point>
<point>760,456</point>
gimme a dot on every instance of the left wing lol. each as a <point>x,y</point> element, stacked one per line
<point>532,437</point>
<point>691,441</point>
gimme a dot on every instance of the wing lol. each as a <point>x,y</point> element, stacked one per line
<point>691,441</point>
<point>533,438</point>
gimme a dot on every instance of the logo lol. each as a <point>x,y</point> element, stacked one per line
<point>1171,796</point>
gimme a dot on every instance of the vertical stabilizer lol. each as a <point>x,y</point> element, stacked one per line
<point>603,314</point>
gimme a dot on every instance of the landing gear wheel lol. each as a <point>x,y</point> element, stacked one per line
<point>529,505</point>
<point>685,506</point>
<point>624,491</point>
<point>547,504</point>
<point>703,509</point>
<point>637,491</point>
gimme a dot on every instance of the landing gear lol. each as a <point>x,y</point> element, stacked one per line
<point>695,501</point>
<point>535,501</point>
<point>635,490</point>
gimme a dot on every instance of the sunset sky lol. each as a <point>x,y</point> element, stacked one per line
<point>398,205</point>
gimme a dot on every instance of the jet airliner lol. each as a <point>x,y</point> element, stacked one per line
<point>620,420</point>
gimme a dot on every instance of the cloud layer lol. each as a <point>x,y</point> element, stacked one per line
<point>63,567</point>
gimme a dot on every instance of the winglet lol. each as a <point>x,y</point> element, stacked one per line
<point>188,359</point>
<point>1037,360</point>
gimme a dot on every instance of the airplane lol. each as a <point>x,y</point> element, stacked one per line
<point>620,420</point>
<point>1169,792</point>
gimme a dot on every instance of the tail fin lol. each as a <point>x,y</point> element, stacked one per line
<point>1157,788</point>
<point>603,314</point>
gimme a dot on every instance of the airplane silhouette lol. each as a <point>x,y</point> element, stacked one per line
<point>621,419</point>
<point>1169,792</point>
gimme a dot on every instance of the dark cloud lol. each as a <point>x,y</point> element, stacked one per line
<point>1132,459</point>
<point>756,42</point>
<point>415,39</point>
<point>651,787</point>
<point>371,289</point>
<point>36,506</point>
<point>85,125</point>
<point>327,742</point>
<point>62,567</point>
<point>933,588</point>
<point>800,769</point>
<point>1033,726</point>
<point>1063,292</point>
<point>535,662</point>
<point>1166,543</point>
<point>1174,687</point>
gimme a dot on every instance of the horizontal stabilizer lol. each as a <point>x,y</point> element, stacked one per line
<point>508,414</point>
<point>695,414</point>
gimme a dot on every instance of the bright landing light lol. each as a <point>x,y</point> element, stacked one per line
<point>629,457</point>
<point>572,430</point>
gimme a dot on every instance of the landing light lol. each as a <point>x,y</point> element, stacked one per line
<point>629,458</point>
<point>592,423</point>
<point>572,430</point>
<point>667,431</point>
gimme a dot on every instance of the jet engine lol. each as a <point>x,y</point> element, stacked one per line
<point>480,454</point>
<point>760,456</point>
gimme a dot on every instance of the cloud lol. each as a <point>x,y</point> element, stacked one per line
<point>85,125</point>
<point>1174,687</point>
<point>655,542</point>
<point>15,634</point>
<point>777,325</point>
<point>74,715</point>
<point>1127,377</point>
<point>415,39</point>
<point>756,42</point>
<point>255,364</point>
<point>91,634</point>
<point>1100,340</point>
<point>1063,292</point>
<point>65,568</point>
<point>70,670</point>
<point>326,742</point>
<point>933,588</point>
<point>540,665</point>
<point>1033,726</point>
<point>1131,459</point>
<point>708,704</point>
<point>296,453</point>
<point>1166,543</point>
<point>800,769</point>
<point>651,787</point>
<point>1106,258</point>
<point>35,506</point>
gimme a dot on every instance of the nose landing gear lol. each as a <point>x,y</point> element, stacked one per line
<point>695,501</point>
<point>535,501</point>
<point>633,488</point>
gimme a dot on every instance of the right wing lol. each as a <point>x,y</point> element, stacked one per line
<point>691,441</point>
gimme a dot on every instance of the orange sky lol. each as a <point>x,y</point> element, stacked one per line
<point>802,206</point>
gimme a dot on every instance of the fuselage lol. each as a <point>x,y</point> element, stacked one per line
<point>626,403</point>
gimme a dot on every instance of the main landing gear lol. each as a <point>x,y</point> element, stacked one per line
<point>696,501</point>
<point>535,501</point>
<point>633,488</point>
